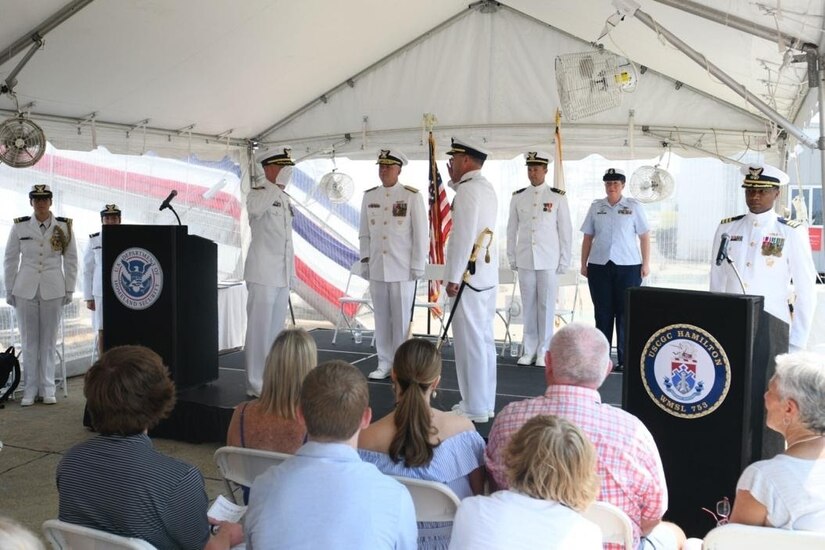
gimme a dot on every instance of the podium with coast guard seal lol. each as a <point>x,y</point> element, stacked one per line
<point>698,366</point>
<point>160,290</point>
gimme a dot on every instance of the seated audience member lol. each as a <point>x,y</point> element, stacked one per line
<point>116,481</point>
<point>628,461</point>
<point>551,469</point>
<point>325,496</point>
<point>420,442</point>
<point>788,490</point>
<point>14,536</point>
<point>271,421</point>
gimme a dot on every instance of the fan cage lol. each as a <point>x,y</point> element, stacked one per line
<point>337,186</point>
<point>651,184</point>
<point>22,143</point>
<point>589,83</point>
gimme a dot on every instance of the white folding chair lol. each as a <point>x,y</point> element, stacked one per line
<point>241,466</point>
<point>67,536</point>
<point>508,280</point>
<point>569,278</point>
<point>615,525</point>
<point>734,536</point>
<point>434,272</point>
<point>343,321</point>
<point>433,501</point>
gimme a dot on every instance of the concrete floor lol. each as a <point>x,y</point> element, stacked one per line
<point>34,440</point>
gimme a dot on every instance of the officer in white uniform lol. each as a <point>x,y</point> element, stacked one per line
<point>93,272</point>
<point>41,269</point>
<point>270,262</point>
<point>475,208</point>
<point>611,260</point>
<point>539,241</point>
<point>394,240</point>
<point>769,251</point>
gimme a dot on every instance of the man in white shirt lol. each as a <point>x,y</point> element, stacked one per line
<point>270,262</point>
<point>93,272</point>
<point>475,208</point>
<point>539,241</point>
<point>394,239</point>
<point>770,253</point>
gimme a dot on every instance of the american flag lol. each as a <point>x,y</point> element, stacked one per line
<point>441,221</point>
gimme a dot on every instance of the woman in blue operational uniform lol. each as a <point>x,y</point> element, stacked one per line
<point>610,259</point>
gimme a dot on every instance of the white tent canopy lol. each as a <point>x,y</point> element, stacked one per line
<point>225,71</point>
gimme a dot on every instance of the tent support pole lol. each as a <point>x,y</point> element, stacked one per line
<point>726,79</point>
<point>40,30</point>
<point>821,155</point>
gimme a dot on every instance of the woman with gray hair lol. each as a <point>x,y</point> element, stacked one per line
<point>788,490</point>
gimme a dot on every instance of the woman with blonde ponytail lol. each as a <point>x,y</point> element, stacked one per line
<point>418,441</point>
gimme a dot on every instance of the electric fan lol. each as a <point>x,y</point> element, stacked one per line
<point>592,82</point>
<point>22,142</point>
<point>337,186</point>
<point>651,184</point>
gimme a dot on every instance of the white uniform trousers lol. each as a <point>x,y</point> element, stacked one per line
<point>475,351</point>
<point>38,328</point>
<point>266,308</point>
<point>538,298</point>
<point>97,314</point>
<point>392,303</point>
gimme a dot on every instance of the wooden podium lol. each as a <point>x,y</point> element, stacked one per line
<point>160,290</point>
<point>697,368</point>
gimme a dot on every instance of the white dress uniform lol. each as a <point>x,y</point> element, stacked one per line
<point>393,235</point>
<point>40,268</point>
<point>269,271</point>
<point>539,241</point>
<point>93,277</point>
<point>475,208</point>
<point>769,252</point>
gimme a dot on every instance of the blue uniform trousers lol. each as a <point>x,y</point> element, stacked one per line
<point>607,290</point>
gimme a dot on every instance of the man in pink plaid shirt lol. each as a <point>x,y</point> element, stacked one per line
<point>629,465</point>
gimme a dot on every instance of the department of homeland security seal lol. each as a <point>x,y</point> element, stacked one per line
<point>685,371</point>
<point>137,278</point>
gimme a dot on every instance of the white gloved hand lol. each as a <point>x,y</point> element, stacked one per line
<point>514,267</point>
<point>417,273</point>
<point>10,299</point>
<point>562,269</point>
<point>67,299</point>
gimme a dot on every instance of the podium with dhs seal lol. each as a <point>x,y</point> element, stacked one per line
<point>160,290</point>
<point>698,366</point>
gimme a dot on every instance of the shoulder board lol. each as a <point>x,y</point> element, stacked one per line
<point>411,189</point>
<point>790,223</point>
<point>371,189</point>
<point>64,220</point>
<point>557,190</point>
<point>733,219</point>
<point>257,188</point>
<point>93,235</point>
<point>519,190</point>
<point>23,219</point>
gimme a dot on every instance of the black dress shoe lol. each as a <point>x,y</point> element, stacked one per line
<point>618,368</point>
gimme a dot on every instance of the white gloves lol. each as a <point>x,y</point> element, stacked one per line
<point>417,273</point>
<point>67,299</point>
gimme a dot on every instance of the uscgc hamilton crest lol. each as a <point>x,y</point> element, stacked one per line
<point>137,278</point>
<point>685,371</point>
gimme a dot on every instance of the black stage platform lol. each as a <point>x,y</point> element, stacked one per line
<point>202,414</point>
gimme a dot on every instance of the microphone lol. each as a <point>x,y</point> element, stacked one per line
<point>723,249</point>
<point>174,193</point>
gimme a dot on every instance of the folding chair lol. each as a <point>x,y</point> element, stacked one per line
<point>614,523</point>
<point>507,279</point>
<point>241,466</point>
<point>568,279</point>
<point>433,501</point>
<point>348,300</point>
<point>434,272</point>
<point>735,536</point>
<point>67,536</point>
